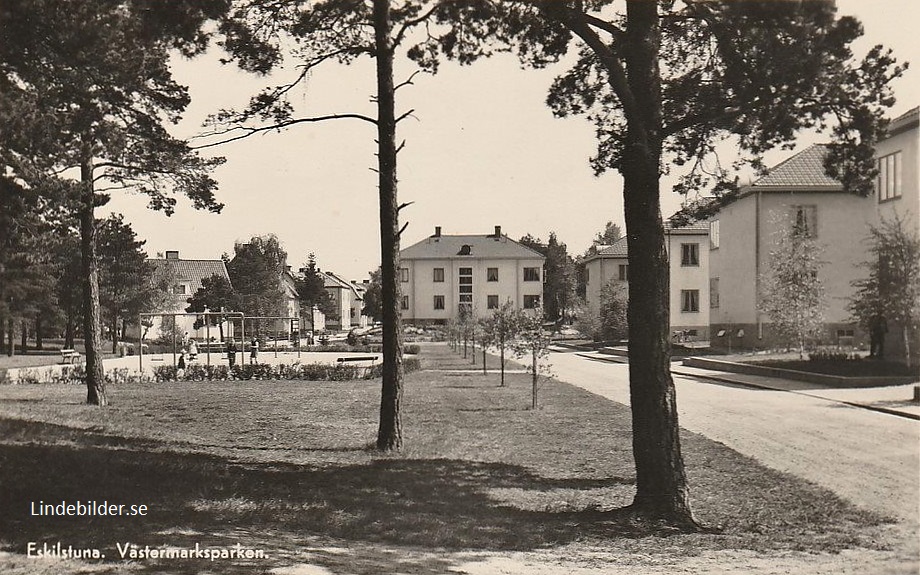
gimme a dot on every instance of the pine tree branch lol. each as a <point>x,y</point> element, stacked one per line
<point>406,115</point>
<point>409,24</point>
<point>251,131</point>
<point>407,82</point>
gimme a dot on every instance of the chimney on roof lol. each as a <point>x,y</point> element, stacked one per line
<point>172,255</point>
<point>437,231</point>
<point>498,233</point>
<point>288,268</point>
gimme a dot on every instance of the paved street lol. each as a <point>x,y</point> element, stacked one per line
<point>869,458</point>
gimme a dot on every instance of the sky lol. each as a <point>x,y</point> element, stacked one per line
<point>482,149</point>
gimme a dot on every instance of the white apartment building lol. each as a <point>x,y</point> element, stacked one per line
<point>443,273</point>
<point>688,260</point>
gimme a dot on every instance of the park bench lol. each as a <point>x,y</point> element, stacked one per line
<point>367,369</point>
<point>359,358</point>
<point>69,355</point>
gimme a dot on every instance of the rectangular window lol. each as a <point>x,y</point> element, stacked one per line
<point>713,292</point>
<point>491,274</point>
<point>889,177</point>
<point>438,302</point>
<point>623,272</point>
<point>531,274</point>
<point>492,302</point>
<point>805,220</point>
<point>531,301</point>
<point>714,234</point>
<point>689,254</point>
<point>404,304</point>
<point>438,275</point>
<point>404,274</point>
<point>690,300</point>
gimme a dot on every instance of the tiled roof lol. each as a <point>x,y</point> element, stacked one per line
<point>331,280</point>
<point>694,228</point>
<point>618,249</point>
<point>615,250</point>
<point>905,121</point>
<point>803,170</point>
<point>193,271</point>
<point>480,246</point>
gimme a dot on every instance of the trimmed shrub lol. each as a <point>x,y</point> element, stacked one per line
<point>826,355</point>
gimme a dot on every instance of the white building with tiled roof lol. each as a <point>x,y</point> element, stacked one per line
<point>798,190</point>
<point>188,275</point>
<point>688,256</point>
<point>443,273</point>
<point>349,301</point>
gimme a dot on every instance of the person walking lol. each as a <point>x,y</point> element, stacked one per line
<point>231,352</point>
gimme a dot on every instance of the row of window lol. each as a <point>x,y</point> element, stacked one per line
<point>530,302</point>
<point>530,274</point>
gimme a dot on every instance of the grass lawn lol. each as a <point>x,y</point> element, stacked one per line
<point>287,467</point>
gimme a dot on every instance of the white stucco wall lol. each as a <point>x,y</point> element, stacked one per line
<point>734,263</point>
<point>908,205</point>
<point>689,278</point>
<point>421,287</point>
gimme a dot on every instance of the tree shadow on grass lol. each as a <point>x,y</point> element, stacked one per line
<point>199,497</point>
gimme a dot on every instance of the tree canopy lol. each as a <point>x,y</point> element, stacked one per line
<point>85,87</point>
<point>255,273</point>
<point>311,289</point>
<point>891,290</point>
<point>664,83</point>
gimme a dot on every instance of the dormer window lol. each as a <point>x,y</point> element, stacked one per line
<point>465,250</point>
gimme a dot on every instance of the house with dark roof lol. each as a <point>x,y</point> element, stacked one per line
<point>798,192</point>
<point>688,257</point>
<point>444,274</point>
<point>188,275</point>
<point>349,301</point>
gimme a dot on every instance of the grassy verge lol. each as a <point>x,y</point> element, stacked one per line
<point>286,467</point>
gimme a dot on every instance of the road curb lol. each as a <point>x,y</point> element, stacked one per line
<point>886,410</point>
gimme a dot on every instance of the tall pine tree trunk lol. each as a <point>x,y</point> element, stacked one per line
<point>661,483</point>
<point>389,433</point>
<point>39,336</point>
<point>92,324</point>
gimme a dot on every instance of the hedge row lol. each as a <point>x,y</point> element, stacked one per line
<point>198,372</point>
<point>262,371</point>
<point>77,375</point>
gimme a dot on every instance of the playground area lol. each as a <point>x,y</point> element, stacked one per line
<point>147,363</point>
